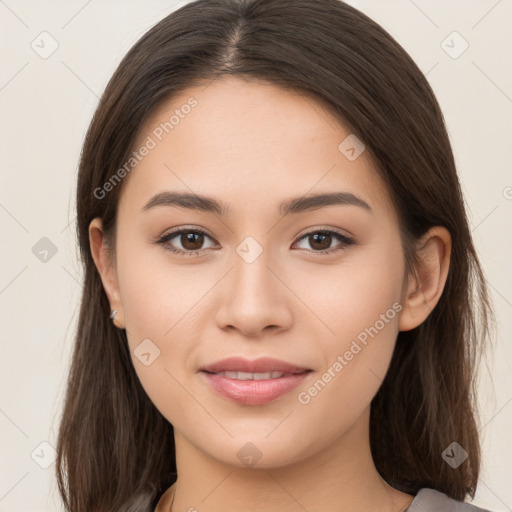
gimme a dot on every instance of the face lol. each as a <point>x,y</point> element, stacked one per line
<point>316,287</point>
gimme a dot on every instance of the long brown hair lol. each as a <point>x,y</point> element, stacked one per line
<point>114,446</point>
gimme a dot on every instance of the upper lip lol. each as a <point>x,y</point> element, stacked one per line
<point>261,365</point>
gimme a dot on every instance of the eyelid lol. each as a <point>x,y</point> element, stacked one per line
<point>315,229</point>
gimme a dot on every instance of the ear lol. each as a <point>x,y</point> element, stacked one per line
<point>106,268</point>
<point>424,289</point>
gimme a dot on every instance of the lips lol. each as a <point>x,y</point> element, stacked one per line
<point>257,366</point>
<point>255,382</point>
<point>252,391</point>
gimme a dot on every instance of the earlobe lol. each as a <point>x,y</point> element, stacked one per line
<point>106,269</point>
<point>426,287</point>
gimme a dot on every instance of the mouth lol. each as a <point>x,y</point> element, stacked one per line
<point>254,388</point>
<point>256,375</point>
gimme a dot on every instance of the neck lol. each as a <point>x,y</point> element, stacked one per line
<point>340,478</point>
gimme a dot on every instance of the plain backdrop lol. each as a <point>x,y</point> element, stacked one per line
<point>46,103</point>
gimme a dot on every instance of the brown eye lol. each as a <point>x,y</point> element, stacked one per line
<point>190,240</point>
<point>320,241</point>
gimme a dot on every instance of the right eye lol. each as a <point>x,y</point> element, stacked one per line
<point>191,241</point>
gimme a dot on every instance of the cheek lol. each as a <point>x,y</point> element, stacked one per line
<point>359,308</point>
<point>156,320</point>
<point>162,312</point>
<point>351,295</point>
<point>155,293</point>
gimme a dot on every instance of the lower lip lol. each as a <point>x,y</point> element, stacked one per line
<point>254,392</point>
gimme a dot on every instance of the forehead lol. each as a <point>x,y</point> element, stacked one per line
<point>248,141</point>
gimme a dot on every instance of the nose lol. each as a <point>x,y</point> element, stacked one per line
<point>254,298</point>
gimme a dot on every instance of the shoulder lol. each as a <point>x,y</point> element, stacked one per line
<point>430,500</point>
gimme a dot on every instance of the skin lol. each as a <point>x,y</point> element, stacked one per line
<point>252,145</point>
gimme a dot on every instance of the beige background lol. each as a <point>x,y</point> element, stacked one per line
<point>46,105</point>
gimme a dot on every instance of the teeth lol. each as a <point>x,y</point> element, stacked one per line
<point>251,376</point>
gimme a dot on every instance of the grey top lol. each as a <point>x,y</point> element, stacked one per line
<point>426,500</point>
<point>430,500</point>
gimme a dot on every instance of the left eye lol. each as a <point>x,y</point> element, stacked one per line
<point>191,241</point>
<point>324,238</point>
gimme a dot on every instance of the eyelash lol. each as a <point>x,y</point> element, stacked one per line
<point>345,241</point>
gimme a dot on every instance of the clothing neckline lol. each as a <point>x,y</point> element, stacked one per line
<point>165,500</point>
<point>417,503</point>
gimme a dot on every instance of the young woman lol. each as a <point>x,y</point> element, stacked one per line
<point>283,308</point>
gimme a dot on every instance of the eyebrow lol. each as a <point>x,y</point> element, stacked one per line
<point>296,205</point>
